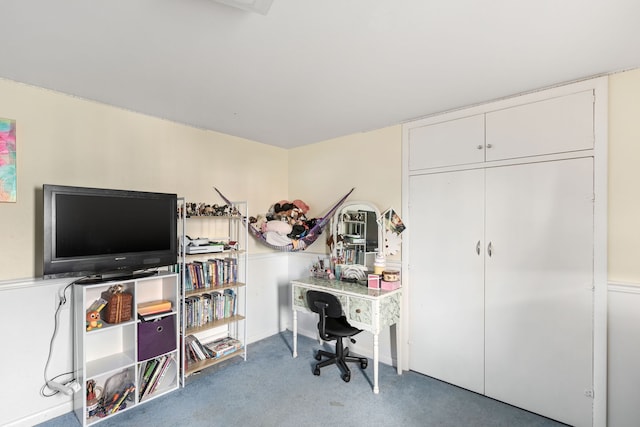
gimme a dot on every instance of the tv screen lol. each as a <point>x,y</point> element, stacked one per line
<point>94,231</point>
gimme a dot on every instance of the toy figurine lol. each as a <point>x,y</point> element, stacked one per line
<point>93,320</point>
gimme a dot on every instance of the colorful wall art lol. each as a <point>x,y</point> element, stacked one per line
<point>8,184</point>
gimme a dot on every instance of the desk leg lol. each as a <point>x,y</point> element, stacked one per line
<point>295,333</point>
<point>376,390</point>
<point>398,348</point>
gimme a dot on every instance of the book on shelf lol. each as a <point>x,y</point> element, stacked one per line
<point>154,376</point>
<point>224,346</point>
<point>197,351</point>
<point>147,373</point>
<point>208,307</point>
<point>97,305</point>
<point>162,370</point>
<point>211,273</point>
<point>154,307</point>
<point>229,302</point>
<point>216,349</point>
<point>153,373</point>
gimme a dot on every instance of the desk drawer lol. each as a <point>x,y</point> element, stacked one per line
<point>299,297</point>
<point>361,311</point>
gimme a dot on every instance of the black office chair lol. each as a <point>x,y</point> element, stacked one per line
<point>333,326</point>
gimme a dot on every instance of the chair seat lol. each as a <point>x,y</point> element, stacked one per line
<point>340,327</point>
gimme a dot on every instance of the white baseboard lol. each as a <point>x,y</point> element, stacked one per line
<point>43,416</point>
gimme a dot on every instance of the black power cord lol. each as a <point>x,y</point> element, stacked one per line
<point>45,387</point>
<point>68,382</point>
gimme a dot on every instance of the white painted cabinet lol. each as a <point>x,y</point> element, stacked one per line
<point>557,125</point>
<point>500,256</point>
<point>450,142</point>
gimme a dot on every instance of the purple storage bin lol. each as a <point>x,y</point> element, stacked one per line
<point>156,337</point>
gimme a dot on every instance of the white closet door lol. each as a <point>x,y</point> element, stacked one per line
<point>447,288</point>
<point>538,281</point>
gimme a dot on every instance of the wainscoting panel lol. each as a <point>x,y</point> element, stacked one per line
<point>624,355</point>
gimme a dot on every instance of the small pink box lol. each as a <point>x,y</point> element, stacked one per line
<point>389,286</point>
<point>374,281</point>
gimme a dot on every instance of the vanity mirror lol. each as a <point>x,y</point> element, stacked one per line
<point>357,235</point>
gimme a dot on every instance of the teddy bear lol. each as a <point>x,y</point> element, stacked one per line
<point>258,222</point>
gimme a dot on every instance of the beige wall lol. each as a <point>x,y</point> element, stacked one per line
<point>65,140</point>
<point>624,177</point>
<point>370,162</point>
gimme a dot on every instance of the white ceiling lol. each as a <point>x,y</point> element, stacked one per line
<point>310,70</point>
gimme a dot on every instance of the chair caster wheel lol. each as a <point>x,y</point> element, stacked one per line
<point>316,372</point>
<point>346,377</point>
<point>318,357</point>
<point>364,364</point>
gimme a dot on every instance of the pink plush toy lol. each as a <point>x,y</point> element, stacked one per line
<point>301,205</point>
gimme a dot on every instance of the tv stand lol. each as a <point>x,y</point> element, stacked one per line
<point>122,365</point>
<point>120,275</point>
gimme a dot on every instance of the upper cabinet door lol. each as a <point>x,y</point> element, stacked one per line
<point>454,142</point>
<point>556,125</point>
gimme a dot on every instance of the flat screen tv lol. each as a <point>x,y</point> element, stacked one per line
<point>104,233</point>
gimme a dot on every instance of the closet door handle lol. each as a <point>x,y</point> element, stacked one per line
<point>489,146</point>
<point>489,248</point>
<point>480,147</point>
<point>478,247</point>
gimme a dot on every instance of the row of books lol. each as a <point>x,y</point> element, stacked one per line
<point>211,273</point>
<point>197,351</point>
<point>208,307</point>
<point>152,373</point>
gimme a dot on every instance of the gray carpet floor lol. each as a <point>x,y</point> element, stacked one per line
<point>273,389</point>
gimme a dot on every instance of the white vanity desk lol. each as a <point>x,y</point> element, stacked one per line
<point>366,309</point>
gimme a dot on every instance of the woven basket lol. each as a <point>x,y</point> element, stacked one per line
<point>119,305</point>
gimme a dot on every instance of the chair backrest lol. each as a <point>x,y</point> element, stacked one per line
<point>317,300</point>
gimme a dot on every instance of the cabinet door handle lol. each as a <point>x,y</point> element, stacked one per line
<point>358,310</point>
<point>478,247</point>
<point>489,145</point>
<point>489,248</point>
<point>479,147</point>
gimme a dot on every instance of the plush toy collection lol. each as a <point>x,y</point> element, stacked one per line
<point>286,219</point>
<point>204,209</point>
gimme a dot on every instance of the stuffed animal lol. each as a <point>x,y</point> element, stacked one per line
<point>301,205</point>
<point>93,320</point>
<point>208,210</point>
<point>258,222</point>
